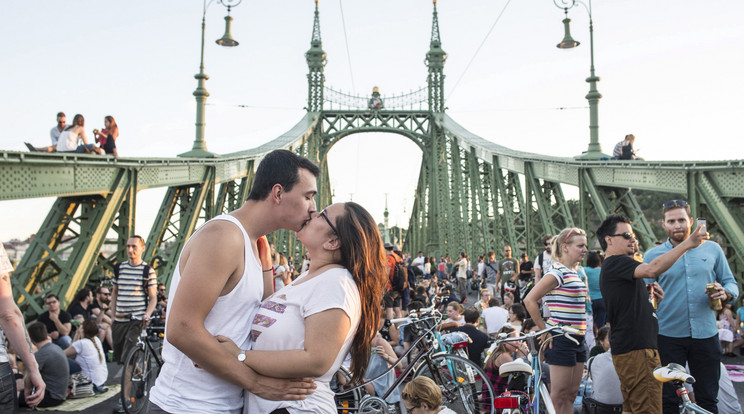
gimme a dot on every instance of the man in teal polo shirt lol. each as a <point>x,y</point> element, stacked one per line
<point>687,325</point>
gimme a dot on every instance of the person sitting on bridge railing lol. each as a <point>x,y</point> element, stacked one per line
<point>68,140</point>
<point>106,137</point>
<point>223,273</point>
<point>54,134</point>
<point>624,149</point>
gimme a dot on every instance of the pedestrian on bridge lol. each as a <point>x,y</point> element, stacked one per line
<point>687,325</point>
<point>68,140</point>
<point>12,327</point>
<point>106,137</point>
<point>462,264</point>
<point>633,321</point>
<point>222,275</point>
<point>308,328</point>
<point>565,294</point>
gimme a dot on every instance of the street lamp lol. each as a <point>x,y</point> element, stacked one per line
<point>199,149</point>
<point>594,151</point>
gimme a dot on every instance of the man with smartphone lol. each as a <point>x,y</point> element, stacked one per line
<point>687,325</point>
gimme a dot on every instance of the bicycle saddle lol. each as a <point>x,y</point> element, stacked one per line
<point>514,366</point>
<point>673,372</point>
<point>453,338</point>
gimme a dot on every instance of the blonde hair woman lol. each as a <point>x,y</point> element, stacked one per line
<point>566,296</point>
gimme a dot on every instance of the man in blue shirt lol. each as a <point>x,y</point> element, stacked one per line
<point>687,325</point>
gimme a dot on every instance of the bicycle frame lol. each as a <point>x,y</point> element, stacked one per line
<point>535,386</point>
<point>426,354</point>
<point>687,405</point>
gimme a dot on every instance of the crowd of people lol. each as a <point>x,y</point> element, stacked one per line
<point>247,331</point>
<point>72,138</point>
<point>98,326</point>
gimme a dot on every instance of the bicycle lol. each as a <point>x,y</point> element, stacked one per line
<point>678,376</point>
<point>461,381</point>
<point>141,366</point>
<point>527,393</point>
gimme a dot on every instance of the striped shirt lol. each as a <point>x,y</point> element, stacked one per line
<point>567,302</point>
<point>131,299</point>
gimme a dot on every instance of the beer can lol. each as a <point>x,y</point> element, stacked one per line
<point>651,296</point>
<point>110,356</point>
<point>715,304</point>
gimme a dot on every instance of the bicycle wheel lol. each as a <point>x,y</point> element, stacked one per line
<point>140,371</point>
<point>347,400</point>
<point>465,387</point>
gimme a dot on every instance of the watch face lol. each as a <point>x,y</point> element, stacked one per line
<point>241,356</point>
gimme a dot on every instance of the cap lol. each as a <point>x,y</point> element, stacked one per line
<point>388,246</point>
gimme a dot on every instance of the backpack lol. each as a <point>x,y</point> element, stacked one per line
<point>145,279</point>
<point>399,281</point>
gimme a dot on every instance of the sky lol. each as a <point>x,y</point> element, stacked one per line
<point>668,72</point>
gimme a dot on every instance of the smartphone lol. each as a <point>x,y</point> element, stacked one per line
<point>701,222</point>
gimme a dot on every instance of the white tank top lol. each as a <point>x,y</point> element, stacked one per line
<point>183,388</point>
<point>68,140</point>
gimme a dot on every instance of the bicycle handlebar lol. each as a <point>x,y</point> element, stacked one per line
<point>566,330</point>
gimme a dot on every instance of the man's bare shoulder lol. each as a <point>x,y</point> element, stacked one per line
<point>215,237</point>
<point>218,231</point>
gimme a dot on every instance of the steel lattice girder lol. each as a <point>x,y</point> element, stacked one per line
<point>47,267</point>
<point>176,221</point>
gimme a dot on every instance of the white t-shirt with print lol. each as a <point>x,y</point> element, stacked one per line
<point>279,325</point>
<point>91,360</point>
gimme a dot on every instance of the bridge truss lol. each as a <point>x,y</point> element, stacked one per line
<point>472,195</point>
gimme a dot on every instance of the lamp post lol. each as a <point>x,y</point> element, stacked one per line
<point>594,151</point>
<point>199,149</point>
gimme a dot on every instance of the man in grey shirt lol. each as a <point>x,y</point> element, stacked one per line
<point>53,365</point>
<point>605,381</point>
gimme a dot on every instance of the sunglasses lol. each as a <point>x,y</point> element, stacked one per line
<point>675,203</point>
<point>323,214</point>
<point>627,235</point>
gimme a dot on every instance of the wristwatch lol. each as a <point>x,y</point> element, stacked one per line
<point>241,356</point>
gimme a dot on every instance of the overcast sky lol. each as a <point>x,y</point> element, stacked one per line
<point>668,68</point>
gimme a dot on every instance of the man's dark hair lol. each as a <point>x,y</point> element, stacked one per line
<point>279,167</point>
<point>415,305</point>
<point>546,238</point>
<point>609,226</point>
<point>51,295</point>
<point>37,331</point>
<point>471,315</point>
<point>493,302</point>
<point>61,114</point>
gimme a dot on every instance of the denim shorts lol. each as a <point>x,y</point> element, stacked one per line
<point>8,402</point>
<point>565,352</point>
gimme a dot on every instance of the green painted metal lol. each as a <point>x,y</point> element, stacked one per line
<point>472,194</point>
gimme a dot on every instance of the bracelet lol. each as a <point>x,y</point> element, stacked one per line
<point>268,270</point>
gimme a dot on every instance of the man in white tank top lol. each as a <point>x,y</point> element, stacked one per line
<point>222,275</point>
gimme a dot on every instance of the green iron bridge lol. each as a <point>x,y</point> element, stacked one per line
<point>472,194</point>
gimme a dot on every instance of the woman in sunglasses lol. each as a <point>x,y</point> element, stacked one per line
<point>307,328</point>
<point>566,296</point>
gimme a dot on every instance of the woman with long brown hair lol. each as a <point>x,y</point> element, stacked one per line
<point>68,140</point>
<point>106,137</point>
<point>307,328</point>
